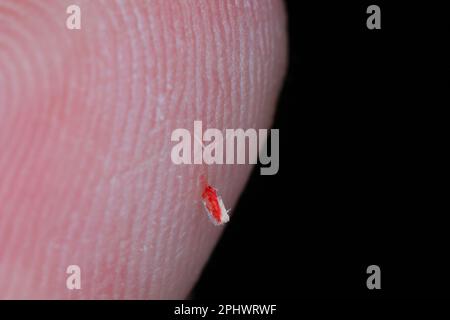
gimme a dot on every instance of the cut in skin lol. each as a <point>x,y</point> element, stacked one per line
<point>214,206</point>
<point>86,118</point>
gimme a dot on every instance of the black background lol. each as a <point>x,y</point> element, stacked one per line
<point>361,179</point>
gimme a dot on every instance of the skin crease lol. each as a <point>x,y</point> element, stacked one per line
<point>85,123</point>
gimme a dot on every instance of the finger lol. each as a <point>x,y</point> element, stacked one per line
<point>86,117</point>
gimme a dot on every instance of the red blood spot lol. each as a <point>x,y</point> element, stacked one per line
<point>209,195</point>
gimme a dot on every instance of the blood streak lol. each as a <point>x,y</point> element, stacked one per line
<point>214,206</point>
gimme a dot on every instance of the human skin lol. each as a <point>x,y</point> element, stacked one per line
<point>86,118</point>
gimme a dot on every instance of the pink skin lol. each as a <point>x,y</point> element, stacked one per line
<point>86,116</point>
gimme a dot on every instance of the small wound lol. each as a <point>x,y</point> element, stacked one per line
<point>214,206</point>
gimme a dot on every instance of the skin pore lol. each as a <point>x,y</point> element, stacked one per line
<point>86,117</point>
